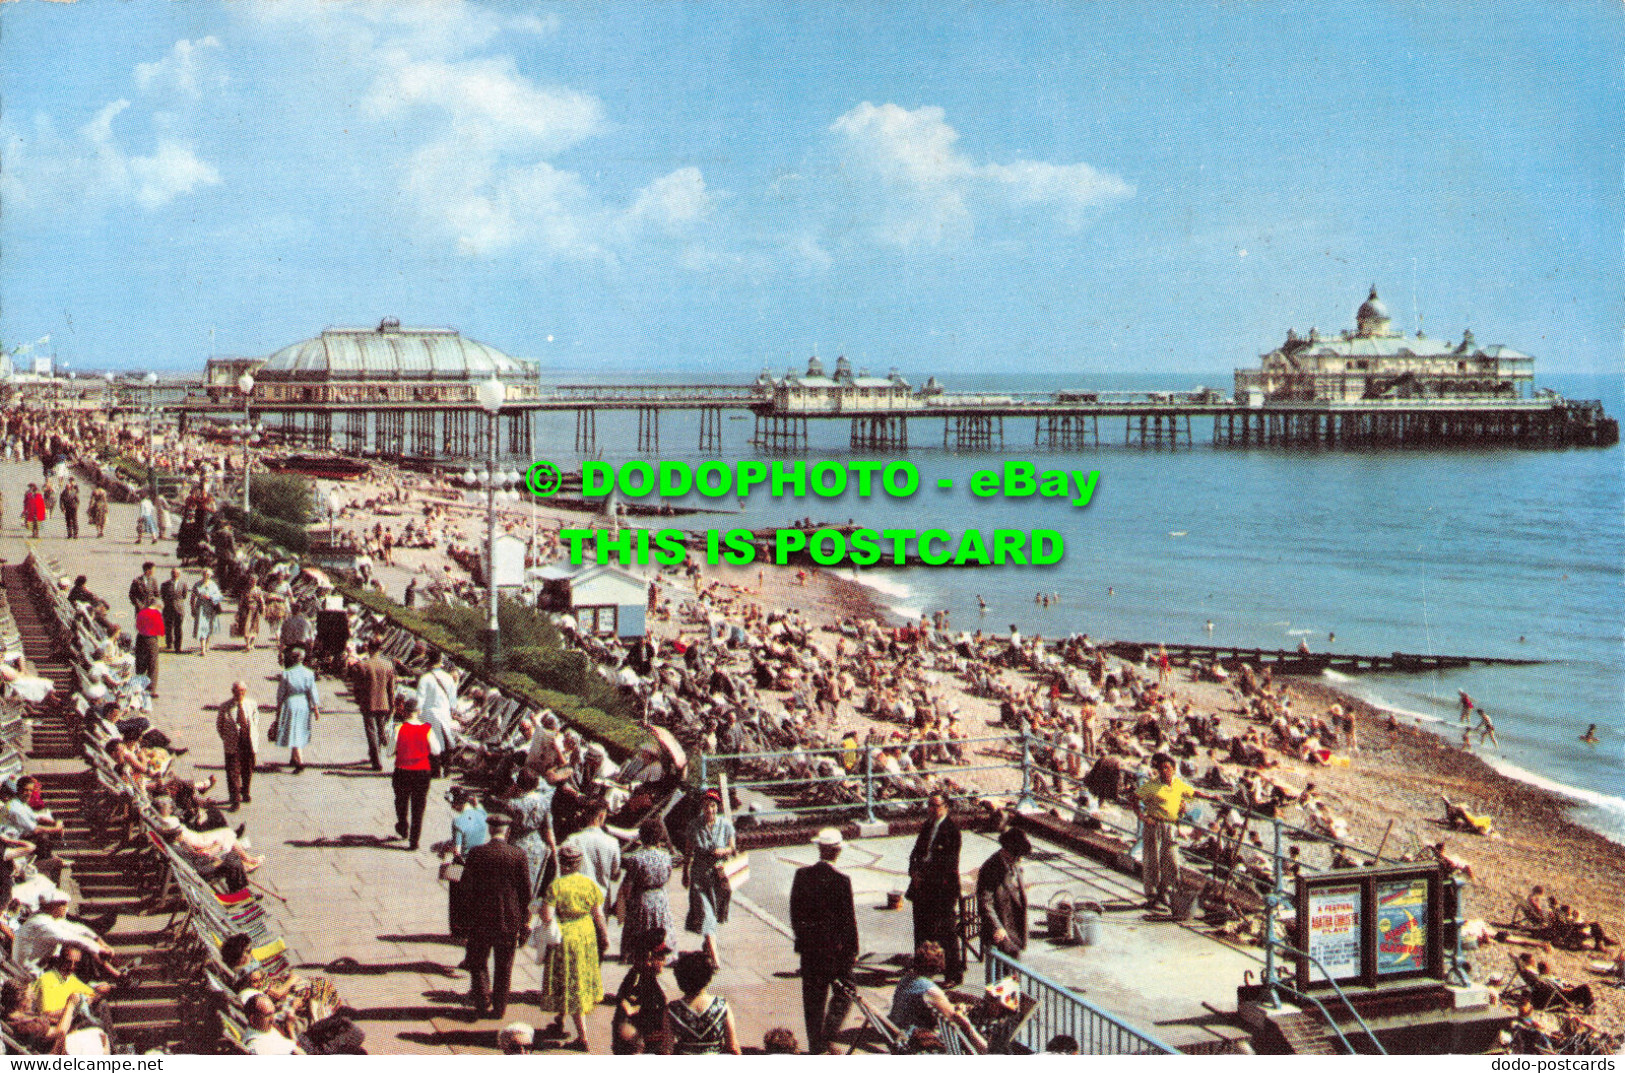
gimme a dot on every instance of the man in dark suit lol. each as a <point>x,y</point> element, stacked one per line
<point>145,590</point>
<point>496,884</point>
<point>174,593</point>
<point>373,683</point>
<point>933,887</point>
<point>1001,895</point>
<point>825,923</point>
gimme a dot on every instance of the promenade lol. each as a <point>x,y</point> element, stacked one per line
<point>359,907</point>
<point>355,905</point>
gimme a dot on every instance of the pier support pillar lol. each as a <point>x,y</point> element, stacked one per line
<point>586,430</point>
<point>648,430</point>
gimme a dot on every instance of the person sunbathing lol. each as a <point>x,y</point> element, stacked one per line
<point>1459,819</point>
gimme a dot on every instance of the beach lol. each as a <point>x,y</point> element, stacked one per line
<point>1391,789</point>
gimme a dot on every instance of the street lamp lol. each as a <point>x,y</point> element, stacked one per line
<point>151,381</point>
<point>491,394</point>
<point>245,388</point>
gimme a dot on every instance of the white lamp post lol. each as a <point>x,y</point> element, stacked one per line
<point>151,380</point>
<point>491,394</point>
<point>245,388</point>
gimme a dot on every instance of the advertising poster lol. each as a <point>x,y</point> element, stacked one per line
<point>1402,925</point>
<point>1334,932</point>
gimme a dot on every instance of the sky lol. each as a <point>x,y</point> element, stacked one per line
<point>941,186</point>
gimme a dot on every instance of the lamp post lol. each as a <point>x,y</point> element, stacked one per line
<point>245,388</point>
<point>109,378</point>
<point>151,381</point>
<point>491,394</point>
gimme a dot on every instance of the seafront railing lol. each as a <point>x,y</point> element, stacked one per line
<point>1059,1010</point>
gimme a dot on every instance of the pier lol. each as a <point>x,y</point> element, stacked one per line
<point>982,421</point>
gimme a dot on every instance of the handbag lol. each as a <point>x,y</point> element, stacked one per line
<point>451,872</point>
<point>271,734</point>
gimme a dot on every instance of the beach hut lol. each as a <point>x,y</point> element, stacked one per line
<point>605,600</point>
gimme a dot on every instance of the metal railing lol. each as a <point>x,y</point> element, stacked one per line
<point>874,781</point>
<point>1060,1010</point>
<point>1300,996</point>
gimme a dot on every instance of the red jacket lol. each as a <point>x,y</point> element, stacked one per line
<point>149,622</point>
<point>34,507</point>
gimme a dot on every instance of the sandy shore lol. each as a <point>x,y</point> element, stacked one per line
<point>1392,787</point>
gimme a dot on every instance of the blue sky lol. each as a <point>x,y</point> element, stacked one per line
<point>940,186</point>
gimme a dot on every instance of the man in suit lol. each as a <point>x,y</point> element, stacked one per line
<point>174,593</point>
<point>825,922</point>
<point>933,887</point>
<point>373,683</point>
<point>496,884</point>
<point>1001,895</point>
<point>145,590</point>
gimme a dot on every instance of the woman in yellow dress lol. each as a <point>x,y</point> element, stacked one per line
<point>572,982</point>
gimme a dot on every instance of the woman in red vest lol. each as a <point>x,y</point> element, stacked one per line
<point>33,509</point>
<point>413,747</point>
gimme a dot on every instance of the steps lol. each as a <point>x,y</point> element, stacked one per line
<point>105,880</point>
<point>1306,1033</point>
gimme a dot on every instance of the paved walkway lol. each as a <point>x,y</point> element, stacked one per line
<point>359,906</point>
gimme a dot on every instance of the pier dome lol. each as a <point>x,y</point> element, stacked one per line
<point>390,352</point>
<point>1372,318</point>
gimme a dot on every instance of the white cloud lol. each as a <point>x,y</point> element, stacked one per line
<point>672,203</point>
<point>907,183</point>
<point>92,170</point>
<point>186,70</point>
<point>173,170</point>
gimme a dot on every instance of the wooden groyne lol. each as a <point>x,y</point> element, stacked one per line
<point>1292,661</point>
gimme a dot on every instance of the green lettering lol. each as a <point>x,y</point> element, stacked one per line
<point>575,538</point>
<point>675,479</point>
<point>1052,483</point>
<point>1086,488</point>
<point>828,538</point>
<point>1018,480</point>
<point>786,541</point>
<point>643,473</point>
<point>930,537</point>
<point>597,478</point>
<point>827,489</point>
<point>971,549</point>
<point>740,549</point>
<point>1047,547</point>
<point>865,547</point>
<point>899,544</point>
<point>984,483</point>
<point>750,475</point>
<point>1009,542</point>
<point>717,487</point>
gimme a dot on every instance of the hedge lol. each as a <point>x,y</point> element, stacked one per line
<point>290,536</point>
<point>530,669</point>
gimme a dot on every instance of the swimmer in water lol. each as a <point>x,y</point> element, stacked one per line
<point>1110,591</point>
<point>1209,626</point>
<point>1331,638</point>
<point>981,603</point>
<point>1590,736</point>
<point>1486,728</point>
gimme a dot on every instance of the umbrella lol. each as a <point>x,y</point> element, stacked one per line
<point>670,747</point>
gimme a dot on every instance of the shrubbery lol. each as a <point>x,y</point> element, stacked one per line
<point>284,496</point>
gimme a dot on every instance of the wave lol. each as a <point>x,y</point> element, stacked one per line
<point>1603,813</point>
<point>898,597</point>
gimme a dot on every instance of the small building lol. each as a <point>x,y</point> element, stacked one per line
<point>1375,362</point>
<point>839,392</point>
<point>605,600</point>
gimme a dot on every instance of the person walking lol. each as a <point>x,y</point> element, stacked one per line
<point>70,508</point>
<point>437,693</point>
<point>372,683</point>
<point>1160,803</point>
<point>933,886</point>
<point>206,602</point>
<point>498,893</point>
<point>238,725</point>
<point>145,589</point>
<point>1001,895</point>
<point>297,707</point>
<point>250,609</point>
<point>96,513</point>
<point>174,595</point>
<point>600,850</point>
<point>33,510</point>
<point>532,812</point>
<point>572,976</point>
<point>48,493</point>
<point>824,919</point>
<point>645,909</point>
<point>149,632</point>
<point>711,841</point>
<point>146,519</point>
<point>296,631</point>
<point>468,830</point>
<point>411,778</point>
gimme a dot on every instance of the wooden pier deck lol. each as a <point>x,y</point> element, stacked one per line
<point>1292,661</point>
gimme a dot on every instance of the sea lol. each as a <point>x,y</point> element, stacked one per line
<point>1497,552</point>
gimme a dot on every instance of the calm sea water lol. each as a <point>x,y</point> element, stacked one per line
<point>1465,552</point>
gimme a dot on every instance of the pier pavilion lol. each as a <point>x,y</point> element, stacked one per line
<point>397,391</point>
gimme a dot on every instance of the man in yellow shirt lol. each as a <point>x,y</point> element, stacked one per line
<point>53,989</point>
<point>1160,803</point>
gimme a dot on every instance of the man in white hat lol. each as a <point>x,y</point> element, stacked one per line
<point>825,922</point>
